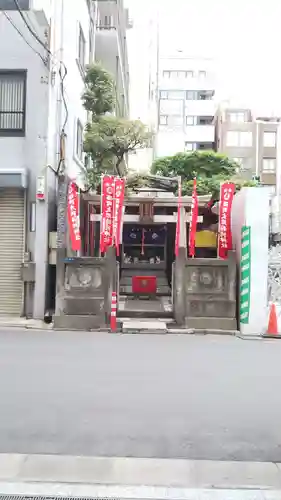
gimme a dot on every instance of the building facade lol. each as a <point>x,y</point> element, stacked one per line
<point>42,68</point>
<point>112,23</point>
<point>251,141</point>
<point>186,106</point>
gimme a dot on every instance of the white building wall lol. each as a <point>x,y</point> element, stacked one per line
<point>199,133</point>
<point>181,82</point>
<point>45,111</point>
<point>169,143</point>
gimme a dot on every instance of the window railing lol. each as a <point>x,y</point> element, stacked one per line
<point>12,103</point>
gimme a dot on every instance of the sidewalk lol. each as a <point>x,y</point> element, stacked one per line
<point>31,324</point>
<point>130,478</point>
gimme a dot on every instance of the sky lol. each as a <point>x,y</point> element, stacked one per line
<point>243,37</point>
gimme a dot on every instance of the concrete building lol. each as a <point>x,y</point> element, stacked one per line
<point>111,48</point>
<point>186,107</point>
<point>251,141</point>
<point>42,67</point>
<point>144,77</point>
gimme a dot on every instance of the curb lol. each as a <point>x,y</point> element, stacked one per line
<point>26,327</point>
<point>168,331</point>
<point>56,491</point>
<point>206,331</point>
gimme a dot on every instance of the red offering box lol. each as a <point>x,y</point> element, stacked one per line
<point>144,285</point>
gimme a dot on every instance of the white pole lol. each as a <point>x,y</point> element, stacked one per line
<point>257,148</point>
<point>277,207</point>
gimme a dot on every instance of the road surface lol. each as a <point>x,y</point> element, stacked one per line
<point>196,397</point>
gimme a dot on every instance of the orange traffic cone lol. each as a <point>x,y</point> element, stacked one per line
<point>272,329</point>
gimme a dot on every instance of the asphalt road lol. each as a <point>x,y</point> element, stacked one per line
<point>144,396</point>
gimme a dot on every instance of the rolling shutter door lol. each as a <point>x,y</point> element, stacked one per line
<point>11,251</point>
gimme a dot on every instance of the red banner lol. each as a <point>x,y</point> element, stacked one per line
<point>118,211</point>
<point>73,217</point>
<point>193,220</point>
<point>225,237</point>
<point>177,241</point>
<point>107,202</point>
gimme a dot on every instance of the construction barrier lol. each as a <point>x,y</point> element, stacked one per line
<point>272,329</point>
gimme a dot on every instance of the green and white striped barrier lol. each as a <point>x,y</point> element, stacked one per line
<point>245,284</point>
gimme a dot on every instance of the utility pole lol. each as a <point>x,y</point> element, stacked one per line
<point>61,228</point>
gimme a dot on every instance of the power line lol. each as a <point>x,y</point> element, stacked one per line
<point>62,75</point>
<point>23,37</point>
<point>30,29</point>
<point>62,70</point>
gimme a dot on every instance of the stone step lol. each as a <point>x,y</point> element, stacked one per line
<point>145,308</point>
<point>135,326</point>
<point>140,314</point>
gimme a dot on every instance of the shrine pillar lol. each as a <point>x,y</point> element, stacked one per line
<point>179,273</point>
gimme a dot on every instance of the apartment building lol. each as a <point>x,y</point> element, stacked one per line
<point>42,66</point>
<point>186,106</point>
<point>250,140</point>
<point>112,24</point>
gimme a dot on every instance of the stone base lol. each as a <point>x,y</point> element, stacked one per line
<point>211,323</point>
<point>82,323</point>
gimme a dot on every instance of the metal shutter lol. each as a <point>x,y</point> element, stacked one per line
<point>11,251</point>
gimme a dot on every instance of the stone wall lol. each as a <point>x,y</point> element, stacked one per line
<point>205,293</point>
<point>88,284</point>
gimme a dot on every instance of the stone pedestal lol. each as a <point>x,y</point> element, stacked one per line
<point>210,293</point>
<point>86,298</point>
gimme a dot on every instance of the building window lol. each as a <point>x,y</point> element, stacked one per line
<point>108,21</point>
<point>189,74</point>
<point>79,140</point>
<point>269,139</point>
<point>205,146</point>
<point>237,117</point>
<point>167,74</point>
<point>269,165</point>
<point>191,120</point>
<point>202,74</point>
<point>205,120</point>
<point>81,49</point>
<point>12,102</point>
<point>163,94</point>
<point>190,95</point>
<point>163,120</point>
<point>239,139</point>
<point>205,95</point>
